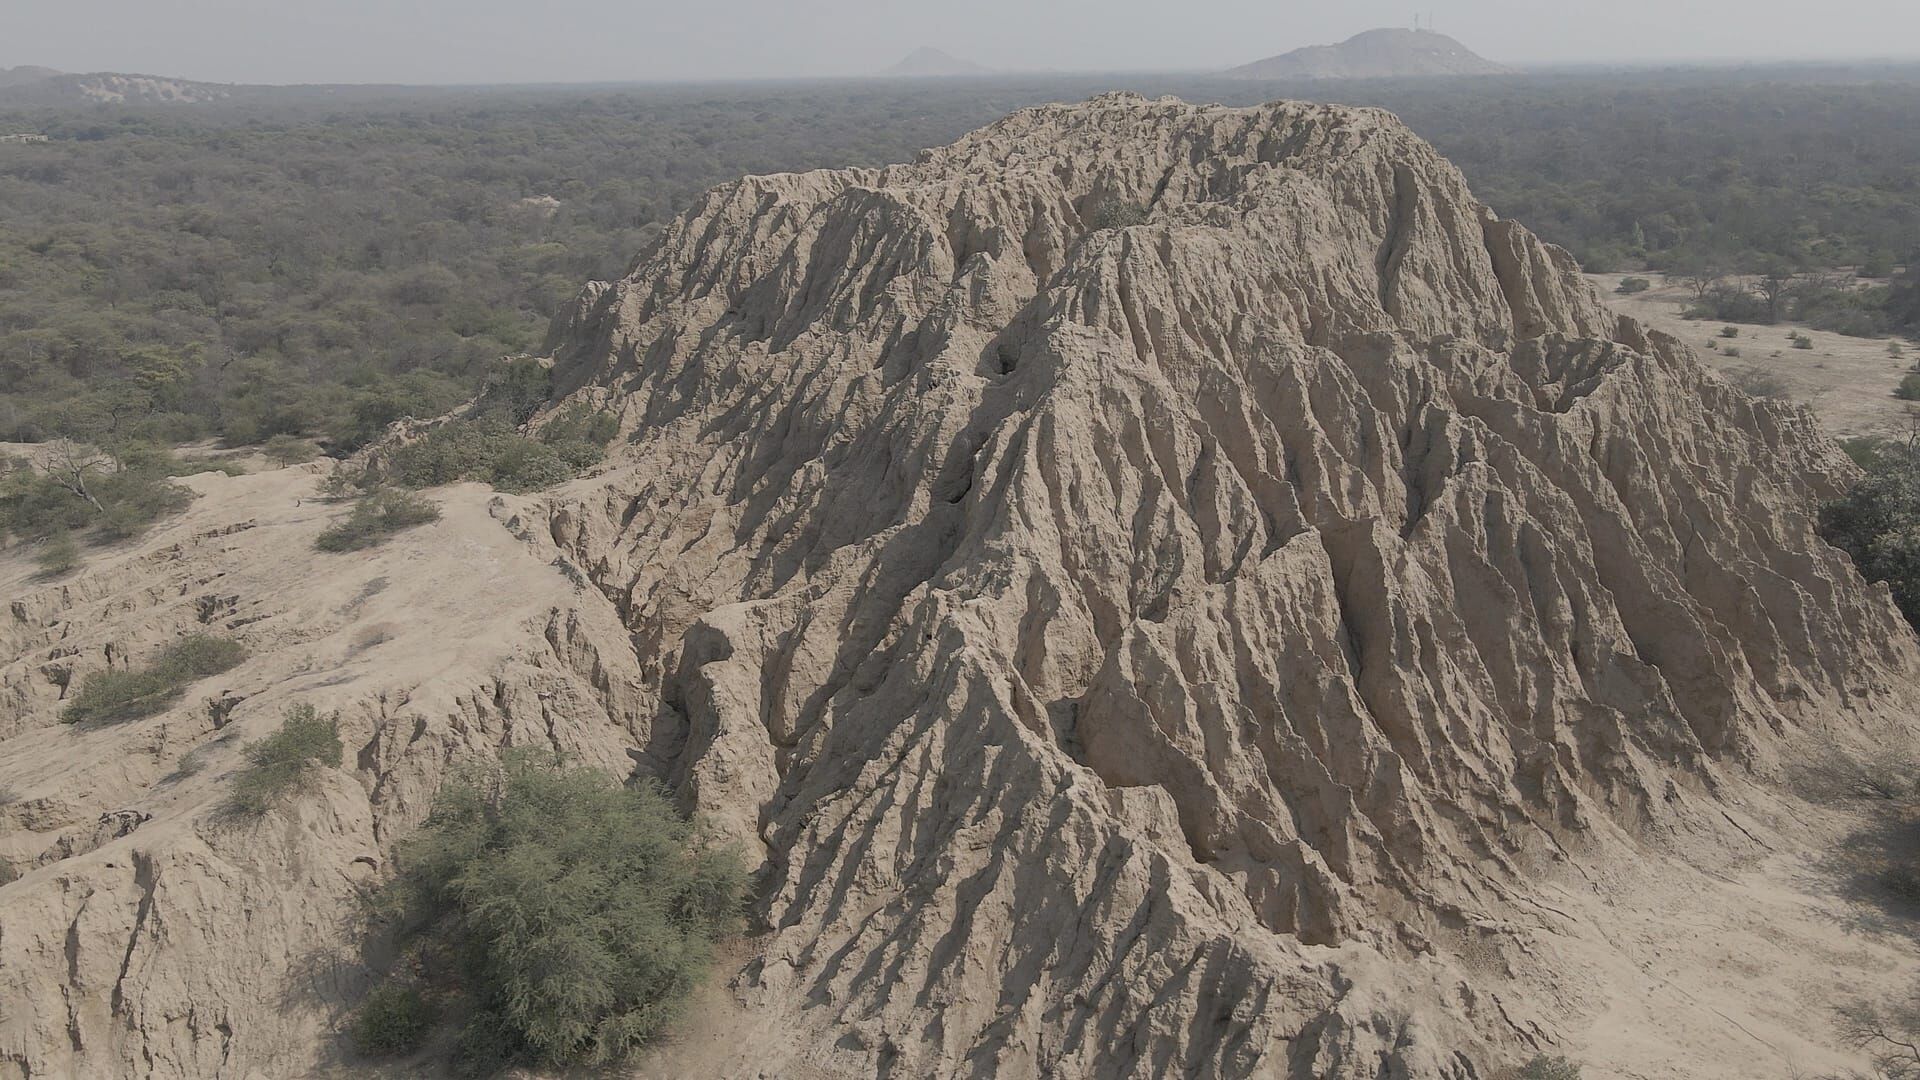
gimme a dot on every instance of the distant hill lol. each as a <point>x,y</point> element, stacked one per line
<point>928,62</point>
<point>105,88</point>
<point>1376,54</point>
<point>24,75</point>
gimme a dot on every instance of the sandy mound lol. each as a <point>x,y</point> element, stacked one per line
<point>1301,633</point>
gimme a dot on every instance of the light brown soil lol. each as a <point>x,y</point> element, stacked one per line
<point>1847,381</point>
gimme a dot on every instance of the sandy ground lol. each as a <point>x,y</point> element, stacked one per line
<point>1848,381</point>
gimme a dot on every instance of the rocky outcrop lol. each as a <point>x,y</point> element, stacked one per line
<point>44,86</point>
<point>1255,640</point>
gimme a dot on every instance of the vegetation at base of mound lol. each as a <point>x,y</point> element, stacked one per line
<point>561,916</point>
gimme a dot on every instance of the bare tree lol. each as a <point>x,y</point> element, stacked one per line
<point>1890,1038</point>
<point>1773,285</point>
<point>66,464</point>
<point>1702,278</point>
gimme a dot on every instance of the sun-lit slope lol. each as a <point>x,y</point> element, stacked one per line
<point>1205,644</point>
<point>150,936</point>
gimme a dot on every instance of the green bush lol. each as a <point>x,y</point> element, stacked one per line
<point>114,696</point>
<point>1118,214</point>
<point>1852,312</point>
<point>485,449</point>
<point>517,391</point>
<point>1865,450</point>
<point>1729,331</point>
<point>576,914</point>
<point>1633,285</point>
<point>344,484</point>
<point>285,762</point>
<point>57,555</point>
<point>1800,341</point>
<point>382,399</point>
<point>392,1019</point>
<point>1909,388</point>
<point>580,435</point>
<point>134,501</point>
<point>1878,523</point>
<point>1756,383</point>
<point>290,450</point>
<point>488,446</point>
<point>76,491</point>
<point>1730,303</point>
<point>1550,1068</point>
<point>378,515</point>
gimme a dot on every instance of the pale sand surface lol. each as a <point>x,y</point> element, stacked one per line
<point>1847,381</point>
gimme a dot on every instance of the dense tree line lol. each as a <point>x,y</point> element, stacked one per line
<point>321,264</point>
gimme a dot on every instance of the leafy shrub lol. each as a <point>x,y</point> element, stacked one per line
<point>517,391</point>
<point>1800,341</point>
<point>522,465</point>
<point>485,449</point>
<point>1829,303</point>
<point>393,1019</point>
<point>344,484</point>
<point>134,501</point>
<point>1633,285</point>
<point>113,696</point>
<point>1896,350</point>
<point>1756,383</point>
<point>488,446</point>
<point>580,435</point>
<point>73,490</point>
<point>1733,351</point>
<point>381,400</point>
<point>1878,523</point>
<point>1865,450</point>
<point>1550,1068</point>
<point>1118,214</point>
<point>577,914</point>
<point>1729,331</point>
<point>376,517</point>
<point>58,555</point>
<point>284,763</point>
<point>1909,388</point>
<point>288,450</point>
<point>1730,303</point>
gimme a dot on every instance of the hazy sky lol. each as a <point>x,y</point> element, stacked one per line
<point>420,41</point>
